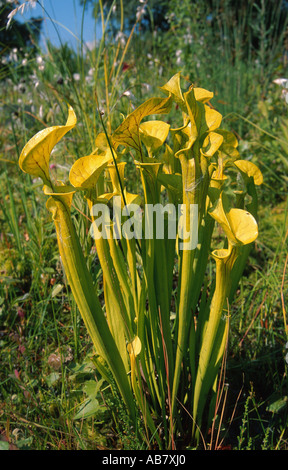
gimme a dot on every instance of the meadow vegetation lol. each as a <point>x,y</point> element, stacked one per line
<point>52,394</point>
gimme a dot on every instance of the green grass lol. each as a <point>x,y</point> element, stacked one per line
<point>51,396</point>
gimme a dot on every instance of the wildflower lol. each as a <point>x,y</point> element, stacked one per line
<point>140,12</point>
<point>90,45</point>
<point>188,38</point>
<point>22,348</point>
<point>120,36</point>
<point>283,82</point>
<point>20,312</point>
<point>13,54</point>
<point>129,95</point>
<point>40,62</point>
<point>146,86</point>
<point>76,77</point>
<point>125,66</point>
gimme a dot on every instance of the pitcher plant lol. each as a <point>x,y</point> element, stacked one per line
<point>161,334</point>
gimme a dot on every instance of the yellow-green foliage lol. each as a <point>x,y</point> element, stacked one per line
<point>148,351</point>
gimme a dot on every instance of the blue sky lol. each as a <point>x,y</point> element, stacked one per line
<point>66,16</point>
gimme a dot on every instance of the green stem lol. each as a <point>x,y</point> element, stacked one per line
<point>204,380</point>
<point>83,290</point>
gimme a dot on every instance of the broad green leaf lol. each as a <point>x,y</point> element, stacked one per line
<point>90,407</point>
<point>211,144</point>
<point>250,169</point>
<point>25,444</point>
<point>86,170</point>
<point>34,158</point>
<point>92,388</point>
<point>128,132</point>
<point>278,405</point>
<point>153,134</point>
<point>4,445</point>
<point>52,378</point>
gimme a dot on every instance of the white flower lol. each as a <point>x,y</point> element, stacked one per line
<point>129,94</point>
<point>140,12</point>
<point>146,86</point>
<point>13,55</point>
<point>283,82</point>
<point>120,36</point>
<point>90,45</point>
<point>76,77</point>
